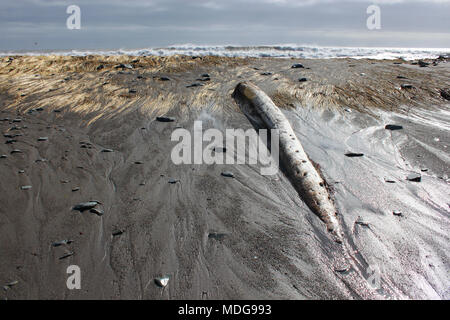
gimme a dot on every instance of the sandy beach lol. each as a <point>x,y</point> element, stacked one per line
<point>77,129</point>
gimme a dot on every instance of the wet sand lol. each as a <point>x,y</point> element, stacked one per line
<point>247,237</point>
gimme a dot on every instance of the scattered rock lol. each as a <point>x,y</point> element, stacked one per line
<point>216,236</point>
<point>68,254</point>
<point>117,233</point>
<point>162,281</point>
<point>393,127</point>
<point>414,177</point>
<point>397,213</point>
<point>85,206</point>
<point>61,243</point>
<point>423,64</point>
<point>353,154</point>
<point>165,119</point>
<point>445,93</point>
<point>97,212</point>
<point>227,174</point>
<point>195,85</point>
<point>297,66</point>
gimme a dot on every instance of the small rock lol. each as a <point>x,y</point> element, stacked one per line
<point>397,213</point>
<point>401,77</point>
<point>227,174</point>
<point>162,281</point>
<point>353,154</point>
<point>132,91</point>
<point>424,169</point>
<point>3,156</point>
<point>10,141</point>
<point>107,150</point>
<point>117,233</point>
<point>124,66</point>
<point>173,181</point>
<point>388,180</point>
<point>302,80</point>
<point>423,64</point>
<point>75,189</point>
<point>407,86</point>
<point>100,67</point>
<point>297,66</point>
<point>42,138</point>
<point>393,127</point>
<point>96,211</point>
<point>85,206</point>
<point>165,119</point>
<point>68,254</point>
<point>164,79</point>
<point>195,85</point>
<point>414,177</point>
<point>205,75</point>
<point>216,236</point>
<point>445,93</point>
<point>10,285</point>
<point>25,187</point>
<point>266,73</point>
<point>138,162</point>
<point>61,243</point>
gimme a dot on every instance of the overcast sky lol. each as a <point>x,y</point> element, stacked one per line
<point>113,24</point>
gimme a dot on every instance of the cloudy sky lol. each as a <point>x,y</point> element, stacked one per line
<point>129,24</point>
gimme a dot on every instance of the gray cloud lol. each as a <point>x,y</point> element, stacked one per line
<point>152,23</point>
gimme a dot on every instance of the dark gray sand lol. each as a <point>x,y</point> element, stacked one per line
<point>216,237</point>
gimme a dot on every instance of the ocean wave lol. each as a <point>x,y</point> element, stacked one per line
<point>274,51</point>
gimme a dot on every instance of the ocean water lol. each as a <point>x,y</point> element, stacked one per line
<point>276,51</point>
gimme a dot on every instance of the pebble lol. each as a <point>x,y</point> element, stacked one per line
<point>117,233</point>
<point>173,181</point>
<point>42,138</point>
<point>16,151</point>
<point>302,80</point>
<point>353,154</point>
<point>25,187</point>
<point>297,66</point>
<point>107,150</point>
<point>85,206</point>
<point>165,119</point>
<point>393,127</point>
<point>227,174</point>
<point>162,281</point>
<point>414,177</point>
<point>407,86</point>
<point>75,189</point>
<point>397,213</point>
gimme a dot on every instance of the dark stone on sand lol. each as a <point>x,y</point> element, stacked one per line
<point>445,93</point>
<point>61,243</point>
<point>165,119</point>
<point>401,77</point>
<point>354,154</point>
<point>195,85</point>
<point>107,150</point>
<point>205,75</point>
<point>173,181</point>
<point>227,174</point>
<point>3,156</point>
<point>117,233</point>
<point>407,86</point>
<point>124,66</point>
<point>56,111</point>
<point>100,67</point>
<point>132,91</point>
<point>414,177</point>
<point>42,138</point>
<point>362,223</point>
<point>164,79</point>
<point>397,213</point>
<point>297,66</point>
<point>266,73</point>
<point>85,206</point>
<point>69,254</point>
<point>393,127</point>
<point>138,162</point>
<point>389,180</point>
<point>96,211</point>
<point>423,64</point>
<point>424,169</point>
<point>17,120</point>
<point>75,189</point>
<point>216,236</point>
<point>302,80</point>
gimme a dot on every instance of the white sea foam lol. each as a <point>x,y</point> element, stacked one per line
<point>277,51</point>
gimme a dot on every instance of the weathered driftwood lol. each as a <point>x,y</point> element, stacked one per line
<point>300,170</point>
